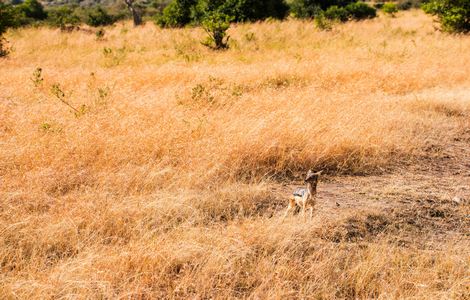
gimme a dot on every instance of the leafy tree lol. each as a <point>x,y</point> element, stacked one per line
<point>390,8</point>
<point>182,12</point>
<point>7,17</point>
<point>337,13</point>
<point>33,9</point>
<point>177,13</point>
<point>454,15</point>
<point>352,11</point>
<point>252,10</point>
<point>216,25</point>
<point>135,10</point>
<point>311,8</point>
<point>360,10</point>
<point>7,20</point>
<point>98,16</point>
<point>63,17</point>
<point>407,4</point>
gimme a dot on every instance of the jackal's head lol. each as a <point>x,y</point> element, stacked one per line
<point>312,176</point>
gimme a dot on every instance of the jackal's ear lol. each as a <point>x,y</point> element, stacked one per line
<point>319,172</point>
<point>310,173</point>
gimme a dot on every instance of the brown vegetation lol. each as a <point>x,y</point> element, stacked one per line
<point>167,178</point>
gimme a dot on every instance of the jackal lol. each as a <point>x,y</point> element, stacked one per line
<point>305,197</point>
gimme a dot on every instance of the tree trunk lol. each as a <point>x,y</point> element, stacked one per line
<point>137,16</point>
<point>136,13</point>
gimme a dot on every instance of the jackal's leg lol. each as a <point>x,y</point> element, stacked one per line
<point>289,207</point>
<point>303,210</point>
<point>311,212</point>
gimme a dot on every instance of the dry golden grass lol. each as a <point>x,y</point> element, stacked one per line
<point>165,185</point>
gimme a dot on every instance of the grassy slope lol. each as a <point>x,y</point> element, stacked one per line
<point>164,185</point>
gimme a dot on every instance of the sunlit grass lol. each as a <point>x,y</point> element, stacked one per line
<point>162,185</point>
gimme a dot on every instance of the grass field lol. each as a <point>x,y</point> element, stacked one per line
<point>145,165</point>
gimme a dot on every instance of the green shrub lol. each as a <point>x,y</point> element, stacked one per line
<point>390,8</point>
<point>311,8</point>
<point>98,16</point>
<point>360,10</point>
<point>7,20</point>
<point>176,14</point>
<point>321,22</point>
<point>7,17</point>
<point>337,13</point>
<point>33,9</point>
<point>352,11</point>
<point>408,4</point>
<point>216,25</point>
<point>182,12</point>
<point>63,17</point>
<point>99,34</point>
<point>249,10</point>
<point>378,5</point>
<point>454,15</point>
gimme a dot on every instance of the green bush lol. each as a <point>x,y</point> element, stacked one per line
<point>321,22</point>
<point>27,12</point>
<point>216,25</point>
<point>378,5</point>
<point>454,15</point>
<point>98,16</point>
<point>390,8</point>
<point>360,10</point>
<point>252,10</point>
<point>182,12</point>
<point>352,11</point>
<point>8,18</point>
<point>311,8</point>
<point>408,4</point>
<point>176,14</point>
<point>33,9</point>
<point>337,13</point>
<point>63,17</point>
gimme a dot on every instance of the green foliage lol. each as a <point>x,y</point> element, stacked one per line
<point>311,8</point>
<point>408,4</point>
<point>322,23</point>
<point>33,9</point>
<point>100,33</point>
<point>98,16</point>
<point>378,5</point>
<point>7,20</point>
<point>182,12</point>
<point>115,57</point>
<point>242,10</point>
<point>63,17</point>
<point>7,17</point>
<point>352,11</point>
<point>390,8</point>
<point>176,14</point>
<point>23,14</point>
<point>454,15</point>
<point>57,91</point>
<point>360,10</point>
<point>45,126</point>
<point>341,10</point>
<point>37,78</point>
<point>337,13</point>
<point>3,48</point>
<point>216,25</point>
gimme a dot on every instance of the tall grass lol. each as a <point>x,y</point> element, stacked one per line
<point>163,184</point>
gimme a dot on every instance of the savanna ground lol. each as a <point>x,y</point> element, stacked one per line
<point>171,180</point>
